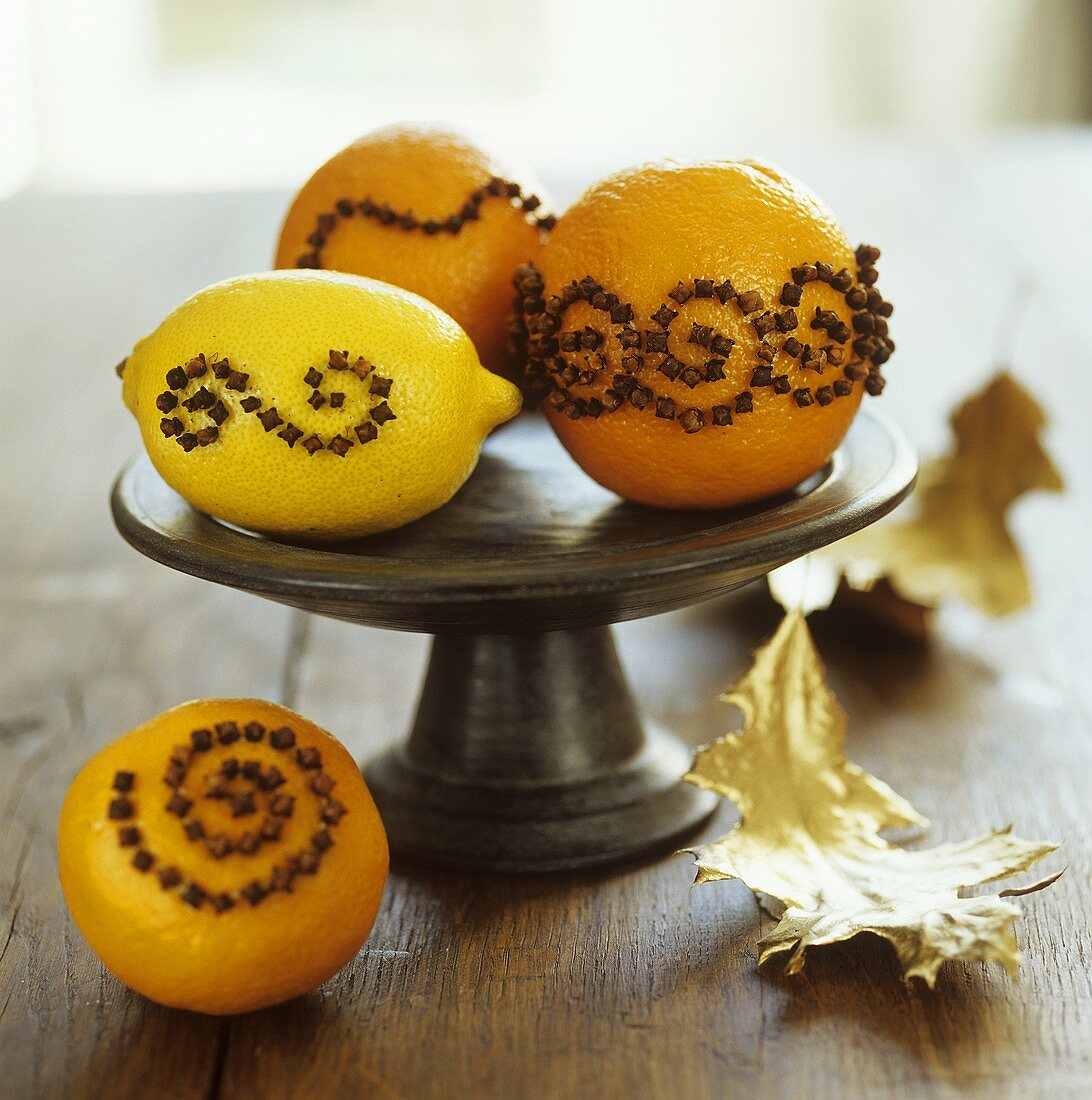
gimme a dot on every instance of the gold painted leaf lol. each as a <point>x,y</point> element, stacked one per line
<point>809,830</point>
<point>957,542</point>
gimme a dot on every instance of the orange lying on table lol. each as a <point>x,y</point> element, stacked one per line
<point>223,857</point>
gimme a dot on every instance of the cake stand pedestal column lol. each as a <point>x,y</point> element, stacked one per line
<point>527,753</point>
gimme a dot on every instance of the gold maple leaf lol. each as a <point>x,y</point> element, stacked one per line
<point>809,831</point>
<point>957,542</point>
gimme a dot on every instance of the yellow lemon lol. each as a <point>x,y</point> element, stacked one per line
<point>313,404</point>
<point>224,856</point>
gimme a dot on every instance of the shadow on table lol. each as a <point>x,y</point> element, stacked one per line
<point>665,955</point>
<point>855,648</point>
<point>951,1030</point>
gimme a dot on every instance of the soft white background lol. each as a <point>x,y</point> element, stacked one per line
<point>176,95</point>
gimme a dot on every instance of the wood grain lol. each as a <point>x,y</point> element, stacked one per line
<point>618,983</point>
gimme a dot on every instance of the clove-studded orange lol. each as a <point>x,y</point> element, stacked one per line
<point>427,210</point>
<point>701,335</point>
<point>313,404</point>
<point>222,857</point>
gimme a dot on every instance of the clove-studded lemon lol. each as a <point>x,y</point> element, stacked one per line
<point>312,404</point>
<point>222,857</point>
<point>702,334</point>
<point>426,209</point>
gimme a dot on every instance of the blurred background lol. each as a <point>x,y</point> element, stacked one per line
<point>178,95</point>
<point>954,133</point>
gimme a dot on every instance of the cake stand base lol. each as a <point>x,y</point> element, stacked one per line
<point>527,754</point>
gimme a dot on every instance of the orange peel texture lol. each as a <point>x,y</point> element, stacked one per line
<point>223,857</point>
<point>701,335</point>
<point>424,209</point>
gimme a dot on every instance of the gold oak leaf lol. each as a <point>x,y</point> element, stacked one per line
<point>809,831</point>
<point>957,542</point>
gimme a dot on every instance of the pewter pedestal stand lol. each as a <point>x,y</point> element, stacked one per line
<point>527,752</point>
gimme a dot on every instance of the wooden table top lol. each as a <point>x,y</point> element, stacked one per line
<point>616,983</point>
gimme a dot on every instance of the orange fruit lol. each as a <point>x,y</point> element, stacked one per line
<point>702,334</point>
<point>222,857</point>
<point>427,210</point>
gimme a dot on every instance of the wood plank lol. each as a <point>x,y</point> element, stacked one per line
<point>593,984</point>
<point>631,983</point>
